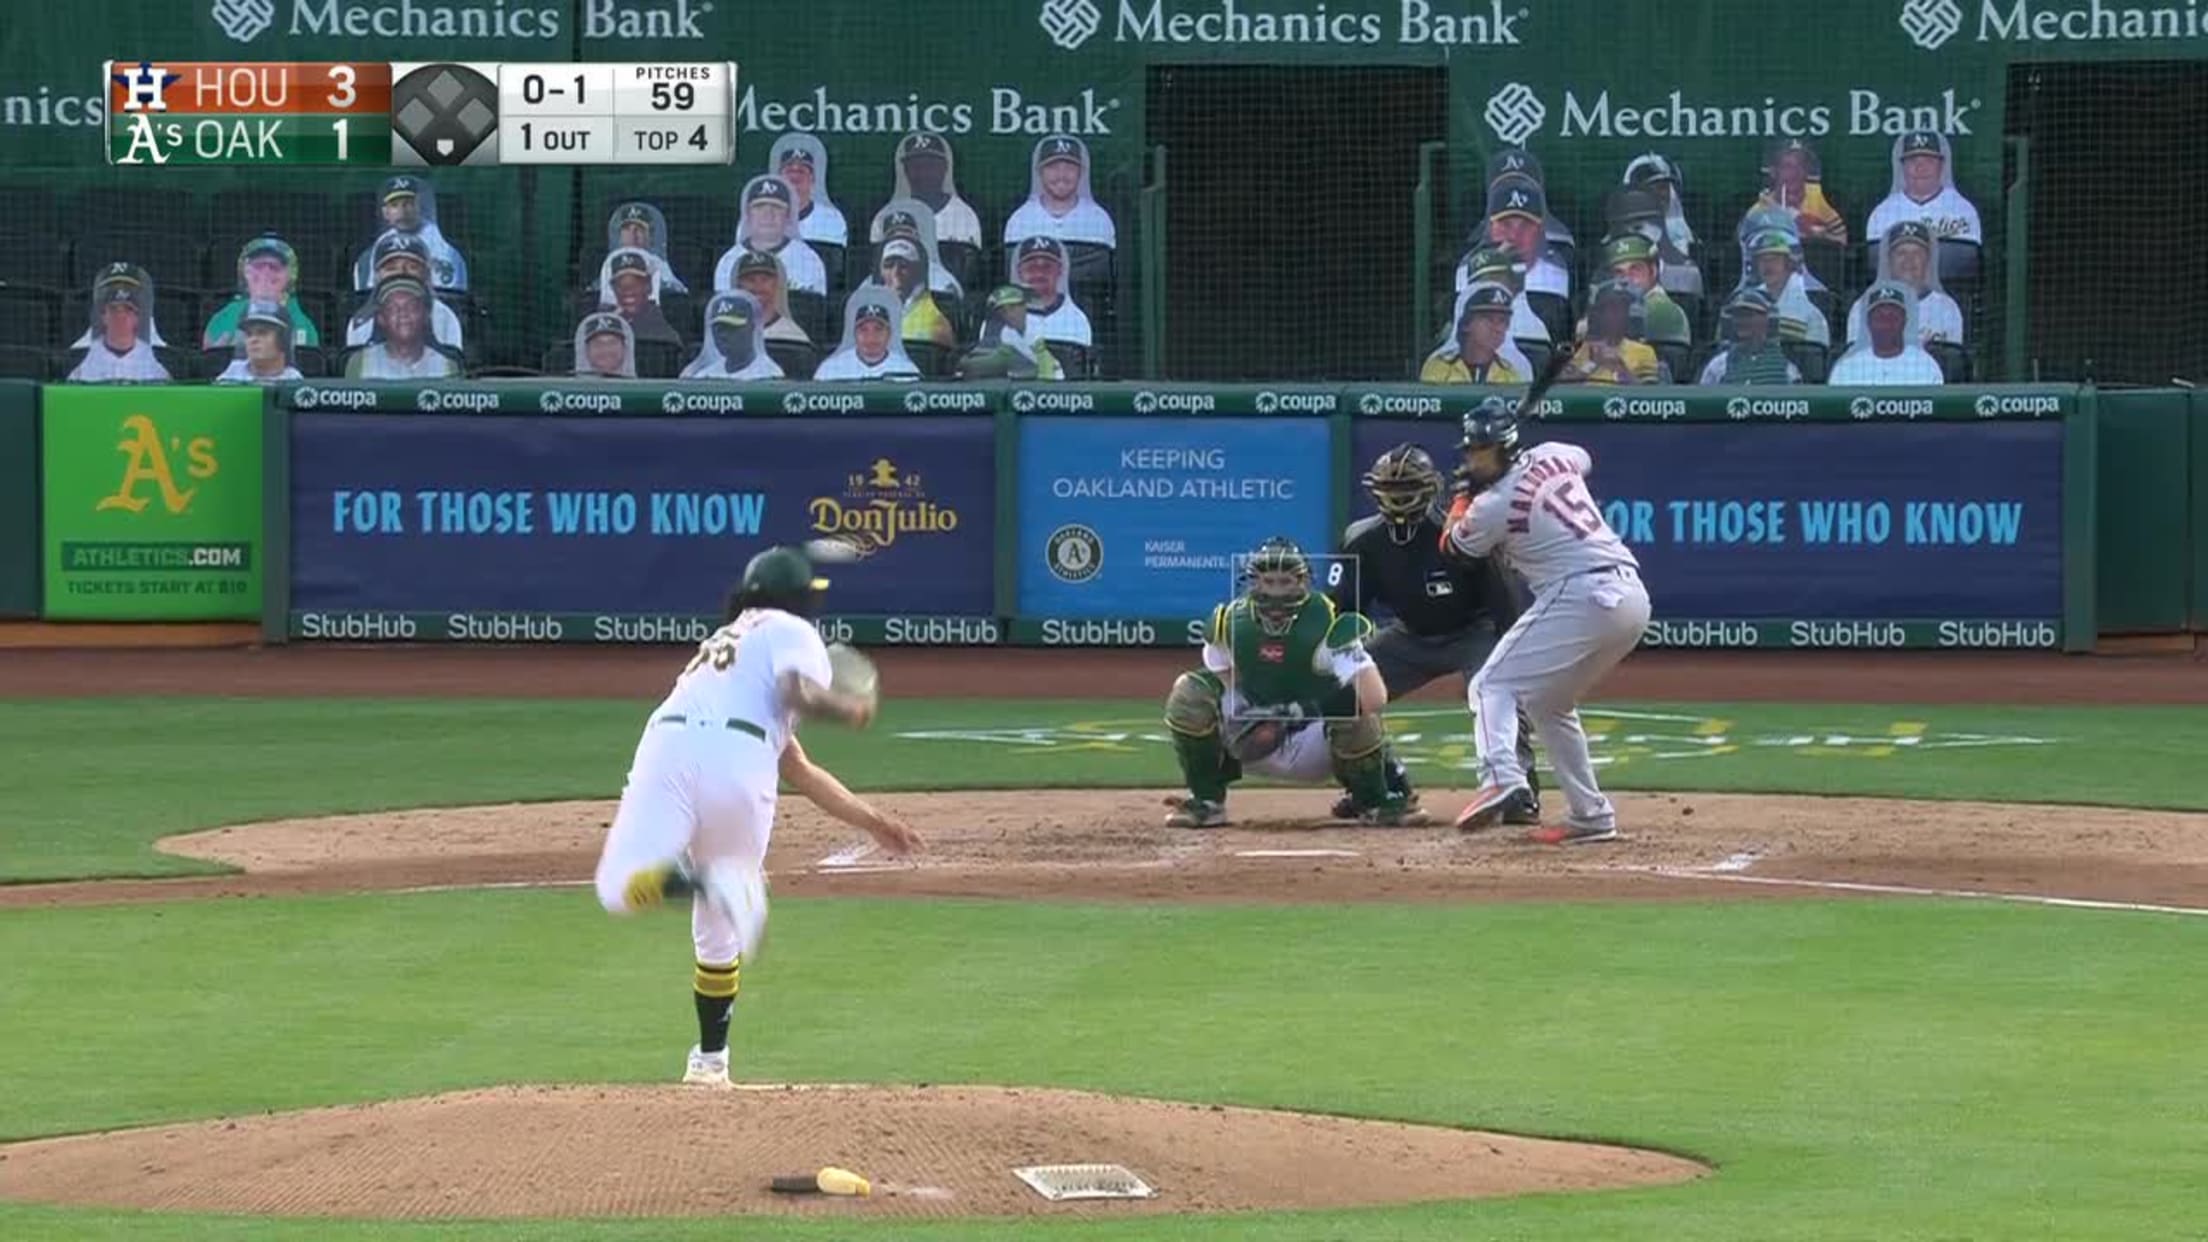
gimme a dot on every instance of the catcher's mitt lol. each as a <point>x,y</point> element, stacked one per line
<point>850,672</point>
<point>1250,738</point>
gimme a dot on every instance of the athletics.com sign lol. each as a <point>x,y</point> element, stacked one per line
<point>1931,23</point>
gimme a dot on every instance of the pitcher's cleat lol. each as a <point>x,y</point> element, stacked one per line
<point>1197,813</point>
<point>707,1069</point>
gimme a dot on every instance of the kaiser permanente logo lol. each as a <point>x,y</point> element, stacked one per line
<point>247,20</point>
<point>1516,113</point>
<point>1931,23</point>
<point>1449,23</point>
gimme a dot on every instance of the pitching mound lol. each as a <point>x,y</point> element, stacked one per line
<point>673,1151</point>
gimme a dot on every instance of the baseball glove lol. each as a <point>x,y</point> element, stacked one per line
<point>1250,738</point>
<point>850,672</point>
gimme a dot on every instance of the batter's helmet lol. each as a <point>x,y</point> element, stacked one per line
<point>778,578</point>
<point>1493,421</point>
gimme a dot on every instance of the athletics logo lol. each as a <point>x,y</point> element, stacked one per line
<point>1930,23</point>
<point>244,20</point>
<point>1069,23</point>
<point>1074,553</point>
<point>1515,113</point>
<point>147,462</point>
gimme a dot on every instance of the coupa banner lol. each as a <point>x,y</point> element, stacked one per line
<point>1141,517</point>
<point>152,503</point>
<point>496,528</point>
<point>1891,534</point>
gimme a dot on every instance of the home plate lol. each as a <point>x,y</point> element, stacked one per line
<point>1297,854</point>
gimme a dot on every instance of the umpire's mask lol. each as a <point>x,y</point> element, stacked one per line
<point>1404,485</point>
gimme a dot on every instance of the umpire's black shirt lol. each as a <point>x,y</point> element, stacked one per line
<point>1431,592</point>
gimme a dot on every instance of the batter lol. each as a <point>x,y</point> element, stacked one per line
<point>698,808</point>
<point>1530,508</point>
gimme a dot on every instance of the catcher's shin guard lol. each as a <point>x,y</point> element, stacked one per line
<point>1192,712</point>
<point>1359,747</point>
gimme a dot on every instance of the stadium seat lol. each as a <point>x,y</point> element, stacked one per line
<point>821,319</point>
<point>559,360</point>
<point>130,209</point>
<point>1537,353</point>
<point>312,362</point>
<point>1954,360</point>
<point>656,359</point>
<point>25,362</point>
<point>1828,263</point>
<point>238,215</point>
<point>1554,312</point>
<point>693,259</point>
<point>28,317</point>
<point>1813,361</point>
<point>706,220</point>
<point>965,261</point>
<point>37,260</point>
<point>170,258</point>
<point>1677,359</point>
<point>1079,362</point>
<point>505,372</point>
<point>796,358</point>
<point>934,361</point>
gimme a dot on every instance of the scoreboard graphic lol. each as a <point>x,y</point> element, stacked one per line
<point>419,115</point>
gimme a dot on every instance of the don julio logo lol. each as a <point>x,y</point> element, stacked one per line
<point>1069,23</point>
<point>145,460</point>
<point>1930,23</point>
<point>878,505</point>
<point>1515,113</point>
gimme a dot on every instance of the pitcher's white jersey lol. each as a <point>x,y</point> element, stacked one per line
<point>1541,519</point>
<point>737,672</point>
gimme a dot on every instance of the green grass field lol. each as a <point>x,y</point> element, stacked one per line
<point>1855,1070</point>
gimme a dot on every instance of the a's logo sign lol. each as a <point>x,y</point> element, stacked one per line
<point>1069,23</point>
<point>1930,23</point>
<point>244,20</point>
<point>146,460</point>
<point>1074,553</point>
<point>1515,113</point>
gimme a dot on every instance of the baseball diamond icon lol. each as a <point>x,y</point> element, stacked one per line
<point>1515,113</point>
<point>1069,23</point>
<point>444,115</point>
<point>1930,23</point>
<point>243,20</point>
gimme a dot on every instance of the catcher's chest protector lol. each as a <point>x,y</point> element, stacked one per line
<point>1274,671</point>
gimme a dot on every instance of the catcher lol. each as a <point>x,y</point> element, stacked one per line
<point>1286,691</point>
<point>1450,609</point>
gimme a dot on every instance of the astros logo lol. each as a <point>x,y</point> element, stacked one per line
<point>148,462</point>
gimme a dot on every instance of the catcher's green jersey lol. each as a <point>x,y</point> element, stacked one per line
<point>1295,667</point>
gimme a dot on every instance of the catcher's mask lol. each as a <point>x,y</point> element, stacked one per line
<point>1278,581</point>
<point>1403,483</point>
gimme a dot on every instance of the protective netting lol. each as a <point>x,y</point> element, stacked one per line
<point>1307,223</point>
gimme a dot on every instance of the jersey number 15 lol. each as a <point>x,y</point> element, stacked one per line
<point>1573,506</point>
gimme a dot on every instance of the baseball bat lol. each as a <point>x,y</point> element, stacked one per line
<point>1550,373</point>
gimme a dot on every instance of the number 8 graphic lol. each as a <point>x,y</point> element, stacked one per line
<point>1334,574</point>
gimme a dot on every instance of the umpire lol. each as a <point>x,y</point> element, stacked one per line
<point>1448,610</point>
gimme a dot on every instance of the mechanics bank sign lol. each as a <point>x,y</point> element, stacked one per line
<point>246,20</point>
<point>1071,24</point>
<point>1931,23</point>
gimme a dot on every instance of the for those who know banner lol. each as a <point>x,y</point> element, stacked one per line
<point>633,517</point>
<point>1873,521</point>
<point>1142,517</point>
<point>152,502</point>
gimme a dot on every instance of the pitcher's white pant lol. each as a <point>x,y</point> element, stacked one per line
<point>1303,756</point>
<point>1574,632</point>
<point>698,786</point>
